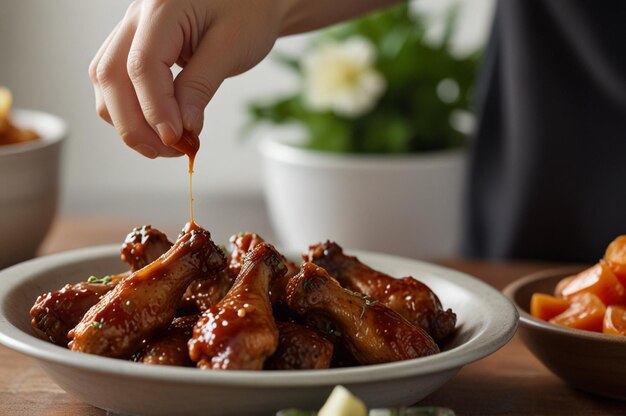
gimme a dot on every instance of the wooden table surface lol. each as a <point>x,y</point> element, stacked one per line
<point>509,382</point>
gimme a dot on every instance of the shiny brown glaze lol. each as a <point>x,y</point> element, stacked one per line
<point>189,144</point>
<point>206,292</point>
<point>239,332</point>
<point>241,244</point>
<point>55,313</point>
<point>144,303</point>
<point>372,332</point>
<point>278,288</point>
<point>170,347</point>
<point>300,348</point>
<point>142,246</point>
<point>407,296</point>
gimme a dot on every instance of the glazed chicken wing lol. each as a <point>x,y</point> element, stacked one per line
<point>206,292</point>
<point>372,332</point>
<point>170,347</point>
<point>55,313</point>
<point>239,332</point>
<point>142,246</point>
<point>407,296</point>
<point>241,244</point>
<point>300,348</point>
<point>145,302</point>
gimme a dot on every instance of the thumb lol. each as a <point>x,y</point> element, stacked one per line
<point>196,84</point>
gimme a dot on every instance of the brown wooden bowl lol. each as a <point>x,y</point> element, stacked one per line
<point>590,361</point>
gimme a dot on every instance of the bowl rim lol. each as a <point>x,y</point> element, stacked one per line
<point>281,150</point>
<point>528,320</point>
<point>494,334</point>
<point>56,127</point>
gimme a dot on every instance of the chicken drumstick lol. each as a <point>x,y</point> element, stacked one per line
<point>142,246</point>
<point>372,332</point>
<point>300,348</point>
<point>55,313</point>
<point>145,302</point>
<point>407,296</point>
<point>239,332</point>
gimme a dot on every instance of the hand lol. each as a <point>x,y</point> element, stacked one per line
<point>210,39</point>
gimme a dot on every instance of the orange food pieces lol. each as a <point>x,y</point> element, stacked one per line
<point>614,320</point>
<point>615,256</point>
<point>594,299</point>
<point>558,290</point>
<point>546,307</point>
<point>599,280</point>
<point>586,311</point>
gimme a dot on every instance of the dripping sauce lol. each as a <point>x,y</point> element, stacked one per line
<point>189,144</point>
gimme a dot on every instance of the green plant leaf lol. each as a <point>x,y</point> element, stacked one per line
<point>410,116</point>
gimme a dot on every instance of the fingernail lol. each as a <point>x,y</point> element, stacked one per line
<point>192,118</point>
<point>166,133</point>
<point>146,150</point>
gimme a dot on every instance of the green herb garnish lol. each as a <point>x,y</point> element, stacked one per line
<point>97,324</point>
<point>370,302</point>
<point>103,280</point>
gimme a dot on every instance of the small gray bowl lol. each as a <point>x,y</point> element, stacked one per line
<point>29,184</point>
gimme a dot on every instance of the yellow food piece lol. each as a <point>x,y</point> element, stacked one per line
<point>342,403</point>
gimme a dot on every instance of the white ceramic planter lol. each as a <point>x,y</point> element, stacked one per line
<point>406,205</point>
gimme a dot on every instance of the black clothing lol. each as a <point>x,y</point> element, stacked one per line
<point>548,169</point>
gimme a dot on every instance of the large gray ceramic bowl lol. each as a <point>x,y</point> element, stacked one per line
<point>590,361</point>
<point>29,186</point>
<point>486,321</point>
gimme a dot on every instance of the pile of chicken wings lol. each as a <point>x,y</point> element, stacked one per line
<point>193,303</point>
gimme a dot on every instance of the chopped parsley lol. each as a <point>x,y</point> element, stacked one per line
<point>103,280</point>
<point>97,324</point>
<point>370,302</point>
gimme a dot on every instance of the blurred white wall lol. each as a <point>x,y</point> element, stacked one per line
<point>45,49</point>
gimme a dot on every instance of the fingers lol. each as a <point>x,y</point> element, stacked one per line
<point>133,83</point>
<point>119,96</point>
<point>201,77</point>
<point>155,48</point>
<point>225,49</point>
<point>100,106</point>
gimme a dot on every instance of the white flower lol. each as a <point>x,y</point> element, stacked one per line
<point>341,77</point>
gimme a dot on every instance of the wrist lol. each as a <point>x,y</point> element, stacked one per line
<point>305,15</point>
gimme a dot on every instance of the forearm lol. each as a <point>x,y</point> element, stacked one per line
<point>305,15</point>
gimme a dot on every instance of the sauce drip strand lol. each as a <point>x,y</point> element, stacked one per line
<point>189,144</point>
